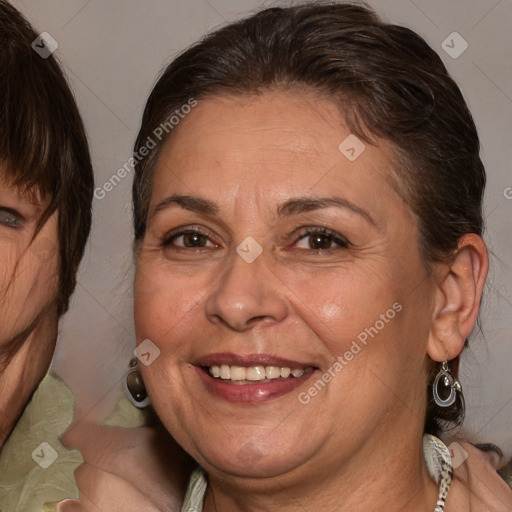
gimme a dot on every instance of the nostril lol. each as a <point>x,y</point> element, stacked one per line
<point>242,299</point>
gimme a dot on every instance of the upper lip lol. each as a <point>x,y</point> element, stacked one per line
<point>257,359</point>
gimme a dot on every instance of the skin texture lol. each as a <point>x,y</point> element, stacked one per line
<point>28,288</point>
<point>248,156</point>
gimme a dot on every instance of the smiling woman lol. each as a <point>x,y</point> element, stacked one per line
<point>337,153</point>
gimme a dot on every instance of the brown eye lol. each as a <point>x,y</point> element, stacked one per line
<point>190,240</point>
<point>194,240</point>
<point>321,239</point>
<point>320,242</point>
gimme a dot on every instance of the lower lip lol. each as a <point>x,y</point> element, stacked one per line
<point>251,393</point>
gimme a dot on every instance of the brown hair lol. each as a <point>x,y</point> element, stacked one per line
<point>388,83</point>
<point>43,146</point>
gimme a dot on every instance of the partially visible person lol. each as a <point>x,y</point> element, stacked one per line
<point>46,187</point>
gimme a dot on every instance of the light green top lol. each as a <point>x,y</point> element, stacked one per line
<point>36,469</point>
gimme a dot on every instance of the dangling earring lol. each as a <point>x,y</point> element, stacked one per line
<point>448,381</point>
<point>135,386</point>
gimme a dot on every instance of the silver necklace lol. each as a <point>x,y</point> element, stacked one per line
<point>439,464</point>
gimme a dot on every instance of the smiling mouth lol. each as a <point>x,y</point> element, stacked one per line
<point>251,374</point>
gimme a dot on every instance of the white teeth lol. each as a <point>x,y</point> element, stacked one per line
<point>238,373</point>
<point>225,372</point>
<point>272,372</point>
<point>285,372</point>
<point>253,373</point>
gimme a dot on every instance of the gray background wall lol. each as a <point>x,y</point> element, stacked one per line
<point>112,51</point>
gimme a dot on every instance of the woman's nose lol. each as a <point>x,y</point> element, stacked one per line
<point>246,294</point>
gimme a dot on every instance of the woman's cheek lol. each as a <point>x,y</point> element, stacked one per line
<point>337,296</point>
<point>162,305</point>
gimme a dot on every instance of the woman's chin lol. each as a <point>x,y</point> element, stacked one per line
<point>252,459</point>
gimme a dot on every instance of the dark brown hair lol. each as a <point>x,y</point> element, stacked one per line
<point>43,146</point>
<point>388,83</point>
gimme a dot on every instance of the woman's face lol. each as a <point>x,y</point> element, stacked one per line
<point>276,245</point>
<point>28,269</point>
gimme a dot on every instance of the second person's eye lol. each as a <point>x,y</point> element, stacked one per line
<point>10,218</point>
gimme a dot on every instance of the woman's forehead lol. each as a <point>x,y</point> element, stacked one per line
<point>274,144</point>
<point>296,118</point>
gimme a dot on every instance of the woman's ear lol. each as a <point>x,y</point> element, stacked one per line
<point>459,292</point>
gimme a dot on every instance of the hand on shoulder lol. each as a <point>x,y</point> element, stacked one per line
<point>476,485</point>
<point>127,469</point>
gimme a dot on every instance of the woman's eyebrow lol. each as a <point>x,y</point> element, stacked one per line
<point>192,203</point>
<point>298,205</point>
<point>293,206</point>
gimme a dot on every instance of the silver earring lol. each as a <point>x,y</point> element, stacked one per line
<point>447,380</point>
<point>135,386</point>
